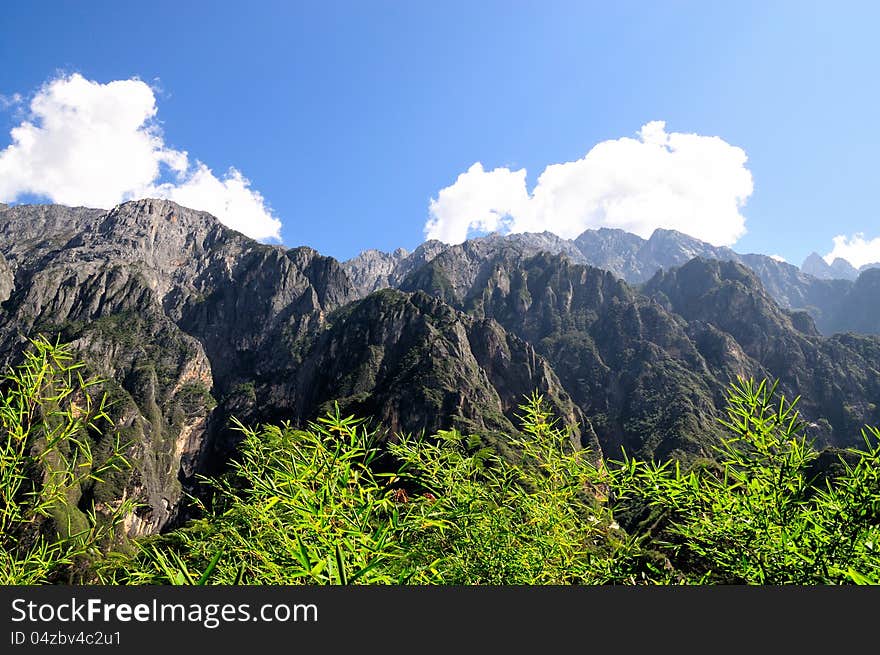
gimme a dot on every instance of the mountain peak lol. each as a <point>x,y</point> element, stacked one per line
<point>843,269</point>
<point>815,265</point>
<point>839,269</point>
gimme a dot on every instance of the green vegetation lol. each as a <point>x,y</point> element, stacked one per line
<point>335,504</point>
<point>759,513</point>
<point>46,413</point>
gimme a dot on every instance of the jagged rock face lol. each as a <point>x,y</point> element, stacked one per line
<point>418,365</point>
<point>649,371</point>
<point>624,360</point>
<point>615,250</point>
<point>635,260</point>
<point>373,270</point>
<point>169,306</point>
<point>858,309</point>
<point>454,272</point>
<point>7,279</point>
<point>837,378</point>
<point>160,380</point>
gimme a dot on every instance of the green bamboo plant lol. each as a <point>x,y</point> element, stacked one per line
<point>335,502</point>
<point>47,412</point>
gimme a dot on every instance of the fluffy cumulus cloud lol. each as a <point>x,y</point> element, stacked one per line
<point>857,250</point>
<point>96,145</point>
<point>687,182</point>
<point>479,200</point>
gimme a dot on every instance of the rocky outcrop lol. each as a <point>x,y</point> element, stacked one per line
<point>838,378</point>
<point>172,308</point>
<point>7,280</point>
<point>418,365</point>
<point>372,270</point>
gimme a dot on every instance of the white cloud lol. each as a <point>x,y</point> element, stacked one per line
<point>10,101</point>
<point>687,182</point>
<point>230,199</point>
<point>92,144</point>
<point>479,200</point>
<point>857,250</point>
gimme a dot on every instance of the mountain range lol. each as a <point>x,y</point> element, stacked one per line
<point>826,292</point>
<point>631,341</point>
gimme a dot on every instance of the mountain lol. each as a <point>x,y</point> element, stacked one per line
<point>829,373</point>
<point>839,269</point>
<point>858,309</point>
<point>816,266</point>
<point>647,366</point>
<point>190,323</point>
<point>372,269</point>
<point>636,260</point>
<point>416,364</point>
<point>818,295</point>
<point>7,279</point>
<point>167,305</point>
<point>664,249</point>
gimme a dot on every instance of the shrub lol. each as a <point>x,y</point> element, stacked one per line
<point>47,410</point>
<point>758,515</point>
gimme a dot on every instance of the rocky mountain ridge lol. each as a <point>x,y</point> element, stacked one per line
<point>824,295</point>
<point>192,323</point>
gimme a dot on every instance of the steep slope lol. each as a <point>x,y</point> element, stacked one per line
<point>647,369</point>
<point>838,377</point>
<point>626,362</point>
<point>191,323</point>
<point>166,304</point>
<point>858,310</point>
<point>413,362</point>
<point>7,279</point>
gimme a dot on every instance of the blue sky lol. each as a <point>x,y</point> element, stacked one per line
<point>350,117</point>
